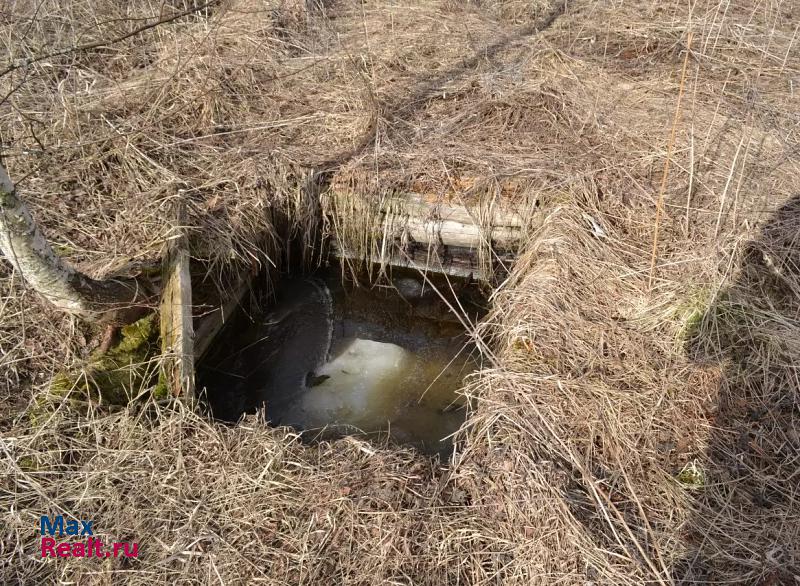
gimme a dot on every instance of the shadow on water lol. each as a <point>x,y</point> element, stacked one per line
<point>331,358</point>
<point>747,521</point>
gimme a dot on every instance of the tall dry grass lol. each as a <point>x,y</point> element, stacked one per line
<point>624,431</point>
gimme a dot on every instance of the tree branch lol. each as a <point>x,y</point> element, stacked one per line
<point>22,242</point>
<point>105,43</point>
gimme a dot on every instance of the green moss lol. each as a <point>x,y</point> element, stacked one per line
<point>61,384</point>
<point>136,338</point>
<point>692,476</point>
<point>706,305</point>
<point>111,378</point>
<point>691,323</point>
<point>161,390</point>
<point>67,387</point>
<point>121,372</point>
<point>691,312</point>
<point>62,250</point>
<point>28,464</point>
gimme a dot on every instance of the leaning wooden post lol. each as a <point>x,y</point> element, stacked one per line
<point>177,332</point>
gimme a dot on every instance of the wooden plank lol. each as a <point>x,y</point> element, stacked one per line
<point>210,324</point>
<point>177,331</point>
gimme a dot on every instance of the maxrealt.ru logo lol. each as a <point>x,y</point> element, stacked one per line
<point>88,547</point>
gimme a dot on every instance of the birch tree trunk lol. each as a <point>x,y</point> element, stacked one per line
<point>23,244</point>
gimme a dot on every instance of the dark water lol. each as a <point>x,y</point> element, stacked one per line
<point>330,359</point>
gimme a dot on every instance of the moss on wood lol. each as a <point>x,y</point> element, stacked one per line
<point>112,378</point>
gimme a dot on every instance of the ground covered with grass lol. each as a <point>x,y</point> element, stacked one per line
<point>637,419</point>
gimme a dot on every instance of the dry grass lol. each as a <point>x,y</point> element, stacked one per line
<point>624,433</point>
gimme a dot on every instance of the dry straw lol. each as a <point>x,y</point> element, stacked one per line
<point>621,434</point>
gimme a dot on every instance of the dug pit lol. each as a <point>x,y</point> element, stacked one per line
<point>330,356</point>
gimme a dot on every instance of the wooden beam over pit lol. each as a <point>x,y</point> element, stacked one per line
<point>409,231</point>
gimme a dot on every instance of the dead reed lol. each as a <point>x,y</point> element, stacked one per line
<point>622,433</point>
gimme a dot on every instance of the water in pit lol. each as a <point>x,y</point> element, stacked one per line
<point>329,358</point>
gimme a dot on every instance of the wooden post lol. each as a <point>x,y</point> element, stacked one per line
<point>177,331</point>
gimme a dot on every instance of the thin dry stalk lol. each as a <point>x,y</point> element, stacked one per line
<point>616,436</point>
<point>665,173</point>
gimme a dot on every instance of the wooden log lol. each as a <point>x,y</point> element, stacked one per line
<point>177,331</point>
<point>411,231</point>
<point>457,262</point>
<point>455,225</point>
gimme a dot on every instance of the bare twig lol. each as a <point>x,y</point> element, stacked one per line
<point>105,43</point>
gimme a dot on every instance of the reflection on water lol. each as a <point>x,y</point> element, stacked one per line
<point>375,386</point>
<point>331,360</point>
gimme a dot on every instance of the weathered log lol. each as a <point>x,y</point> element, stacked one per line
<point>410,231</point>
<point>454,261</point>
<point>455,225</point>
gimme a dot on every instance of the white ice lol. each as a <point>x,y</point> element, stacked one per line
<point>361,383</point>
